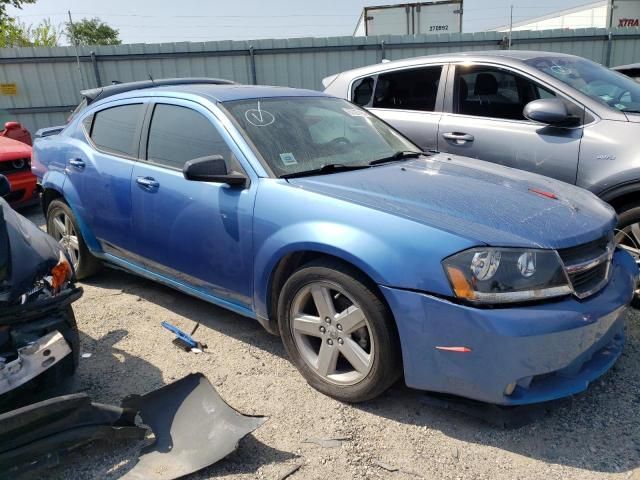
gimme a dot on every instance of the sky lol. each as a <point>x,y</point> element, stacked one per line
<point>157,21</point>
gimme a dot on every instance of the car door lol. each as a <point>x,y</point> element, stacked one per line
<point>410,99</point>
<point>483,119</point>
<point>98,173</point>
<point>196,233</point>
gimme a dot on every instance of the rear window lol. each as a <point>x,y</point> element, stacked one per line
<point>77,110</point>
<point>115,129</point>
<point>411,89</point>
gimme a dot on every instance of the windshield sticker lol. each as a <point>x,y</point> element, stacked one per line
<point>288,159</point>
<point>354,112</point>
<point>258,117</point>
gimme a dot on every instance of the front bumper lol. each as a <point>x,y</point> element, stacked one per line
<point>23,189</point>
<point>550,350</point>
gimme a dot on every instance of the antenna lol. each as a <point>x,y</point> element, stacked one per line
<point>75,46</point>
<point>150,77</point>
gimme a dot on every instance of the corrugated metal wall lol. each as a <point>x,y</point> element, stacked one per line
<point>48,79</point>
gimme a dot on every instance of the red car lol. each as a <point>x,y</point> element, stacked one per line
<point>15,164</point>
<point>16,131</point>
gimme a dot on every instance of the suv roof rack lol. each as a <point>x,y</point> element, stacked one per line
<point>99,93</point>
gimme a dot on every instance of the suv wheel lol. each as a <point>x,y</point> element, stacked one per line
<point>338,332</point>
<point>63,226</point>
<point>628,236</point>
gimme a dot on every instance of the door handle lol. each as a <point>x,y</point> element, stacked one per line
<point>458,137</point>
<point>148,183</point>
<point>77,163</point>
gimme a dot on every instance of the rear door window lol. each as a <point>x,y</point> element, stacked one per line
<point>115,129</point>
<point>411,89</point>
<point>178,134</point>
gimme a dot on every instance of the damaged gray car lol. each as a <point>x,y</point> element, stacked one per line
<point>39,340</point>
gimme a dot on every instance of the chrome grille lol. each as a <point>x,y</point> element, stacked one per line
<point>587,265</point>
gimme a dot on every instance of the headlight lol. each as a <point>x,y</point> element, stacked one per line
<point>502,275</point>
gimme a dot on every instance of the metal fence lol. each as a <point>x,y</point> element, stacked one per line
<point>39,86</point>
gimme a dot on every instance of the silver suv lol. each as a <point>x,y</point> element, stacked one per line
<point>558,115</point>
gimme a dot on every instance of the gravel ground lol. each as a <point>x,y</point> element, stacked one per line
<point>592,436</point>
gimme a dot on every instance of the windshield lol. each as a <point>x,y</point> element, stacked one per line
<point>300,134</point>
<point>600,83</point>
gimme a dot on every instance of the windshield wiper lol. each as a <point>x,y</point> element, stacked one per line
<point>630,110</point>
<point>398,156</point>
<point>326,168</point>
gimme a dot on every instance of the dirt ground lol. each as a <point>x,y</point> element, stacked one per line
<point>594,435</point>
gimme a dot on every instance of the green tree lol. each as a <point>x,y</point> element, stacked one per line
<point>16,34</point>
<point>11,3</point>
<point>11,34</point>
<point>91,32</point>
<point>45,34</point>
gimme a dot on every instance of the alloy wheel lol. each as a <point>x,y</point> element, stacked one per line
<point>332,333</point>
<point>628,238</point>
<point>65,233</point>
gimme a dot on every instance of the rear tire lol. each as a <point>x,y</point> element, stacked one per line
<point>338,332</point>
<point>63,226</point>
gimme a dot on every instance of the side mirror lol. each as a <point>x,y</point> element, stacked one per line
<point>12,126</point>
<point>212,169</point>
<point>5,187</point>
<point>551,111</point>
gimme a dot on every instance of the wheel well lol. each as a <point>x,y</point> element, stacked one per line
<point>48,196</point>
<point>290,263</point>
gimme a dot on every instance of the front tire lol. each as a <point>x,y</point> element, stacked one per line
<point>628,237</point>
<point>338,332</point>
<point>63,226</point>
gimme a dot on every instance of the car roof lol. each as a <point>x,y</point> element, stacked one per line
<point>222,93</point>
<point>99,93</point>
<point>503,56</point>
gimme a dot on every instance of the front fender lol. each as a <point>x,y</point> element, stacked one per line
<point>328,238</point>
<point>610,193</point>
<point>390,249</point>
<point>385,262</point>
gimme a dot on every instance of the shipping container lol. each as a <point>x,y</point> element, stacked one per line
<point>411,19</point>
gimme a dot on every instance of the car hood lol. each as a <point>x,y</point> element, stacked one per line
<point>481,201</point>
<point>27,254</point>
<point>11,149</point>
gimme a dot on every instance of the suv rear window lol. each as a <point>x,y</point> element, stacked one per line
<point>115,129</point>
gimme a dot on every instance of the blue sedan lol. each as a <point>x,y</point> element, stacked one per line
<point>372,260</point>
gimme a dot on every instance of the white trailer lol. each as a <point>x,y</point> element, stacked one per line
<point>411,18</point>
<point>625,13</point>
